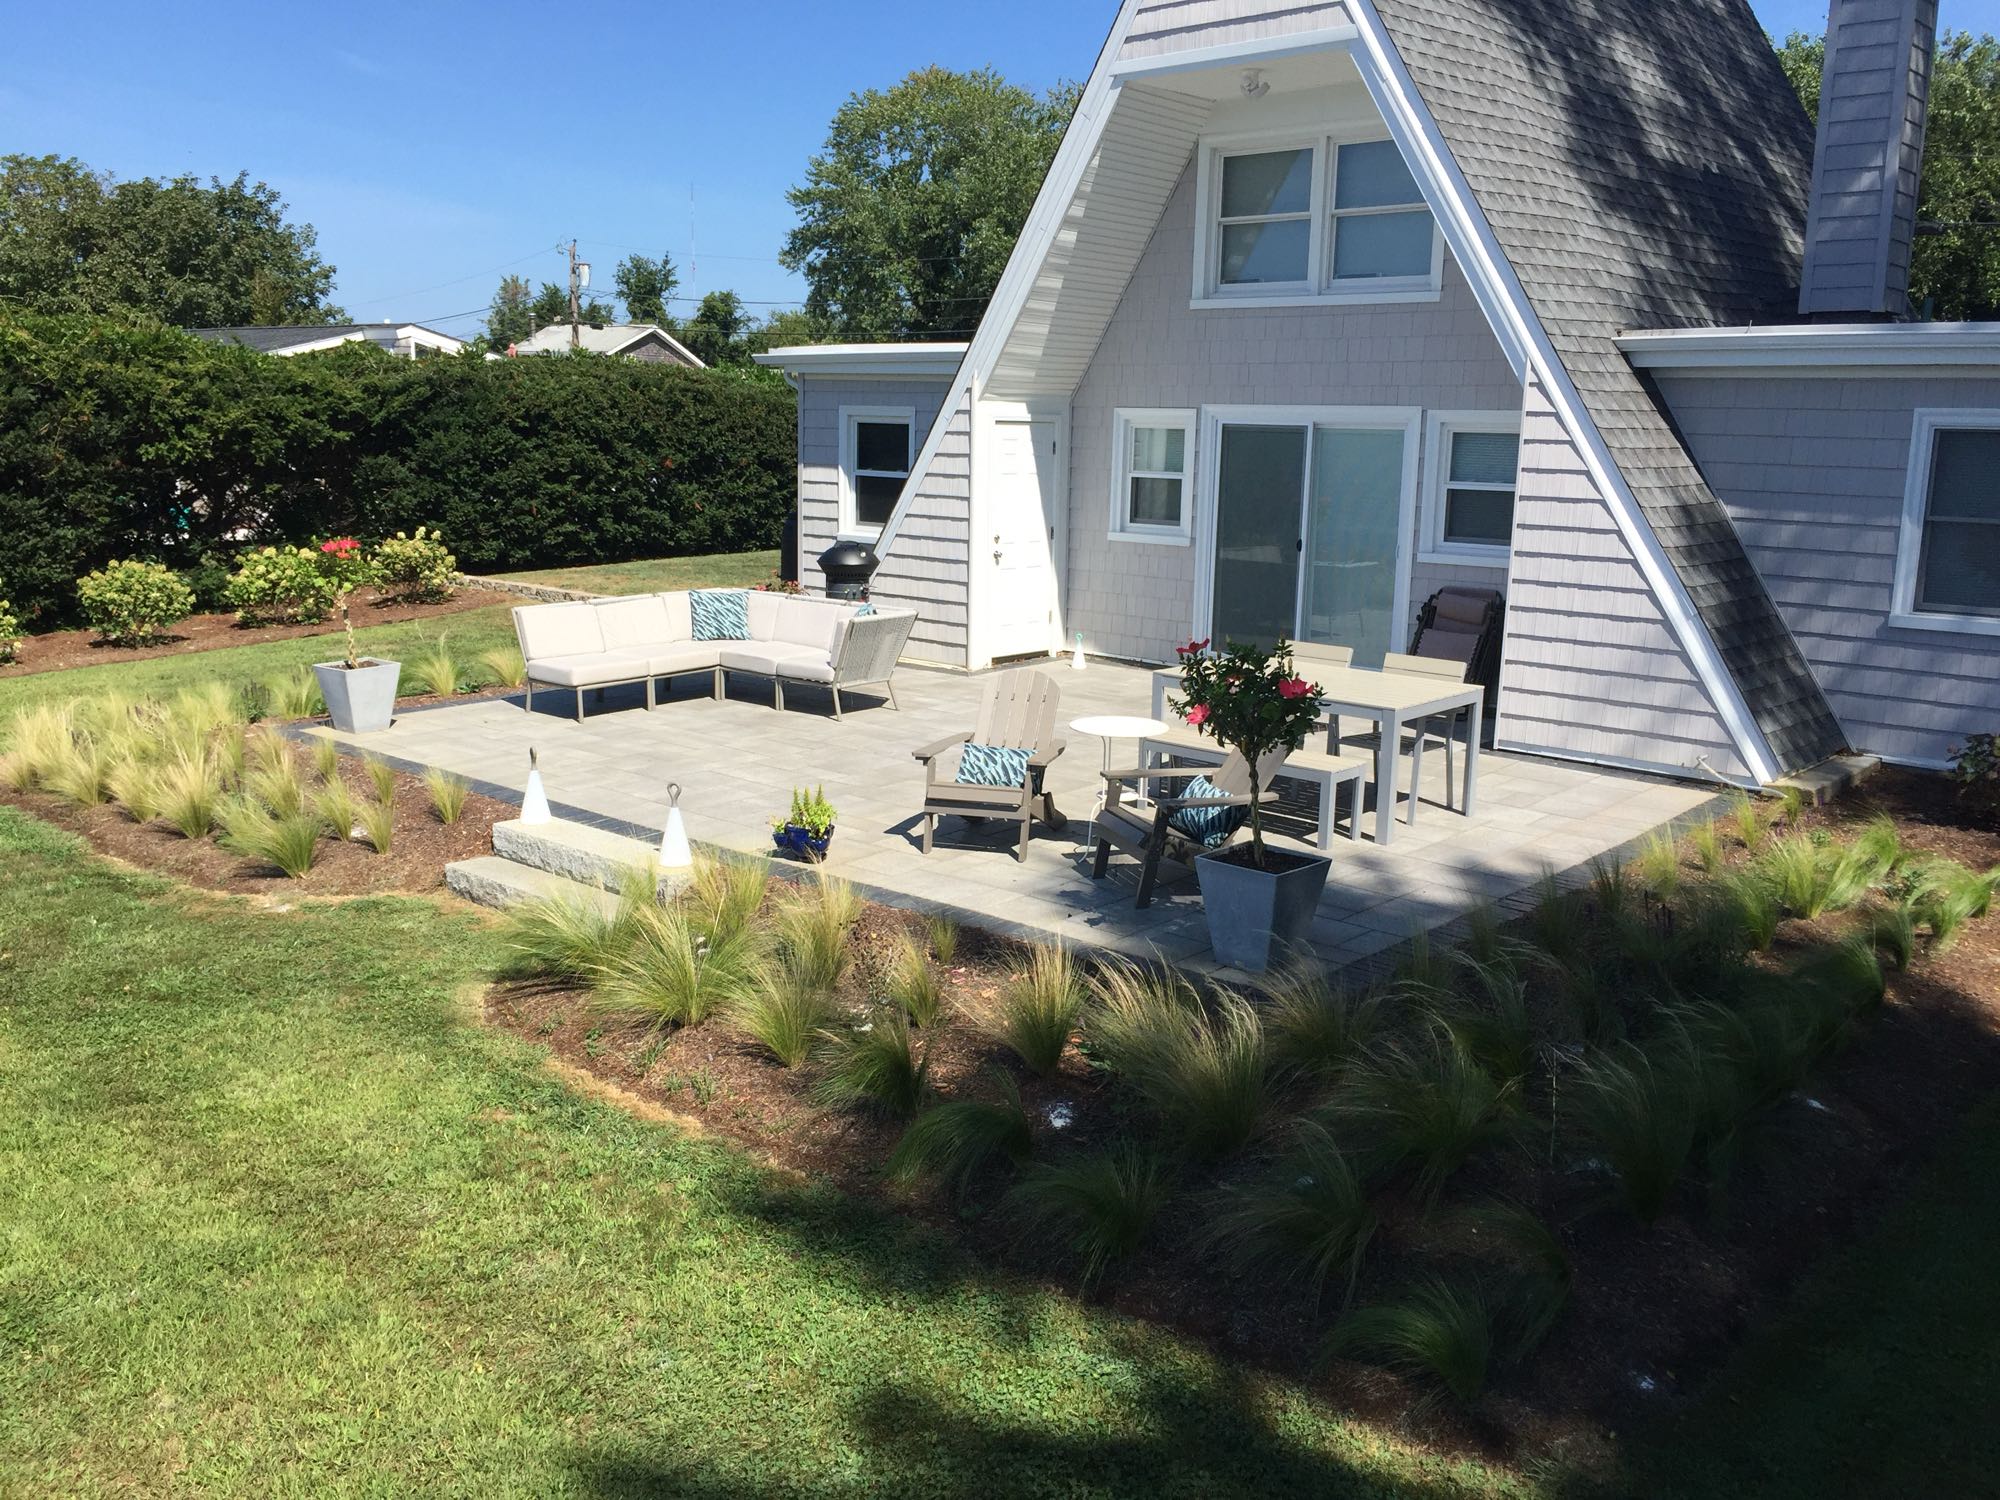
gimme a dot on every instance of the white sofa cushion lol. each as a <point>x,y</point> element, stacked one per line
<point>680,615</point>
<point>763,609</point>
<point>813,667</point>
<point>767,658</point>
<point>810,622</point>
<point>593,668</point>
<point>548,630</point>
<point>637,623</point>
<point>684,656</point>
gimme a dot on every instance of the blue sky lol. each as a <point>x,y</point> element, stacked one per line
<point>436,144</point>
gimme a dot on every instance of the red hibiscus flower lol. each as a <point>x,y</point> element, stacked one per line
<point>1295,687</point>
<point>342,547</point>
<point>1198,715</point>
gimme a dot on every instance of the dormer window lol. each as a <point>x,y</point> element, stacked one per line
<point>1294,222</point>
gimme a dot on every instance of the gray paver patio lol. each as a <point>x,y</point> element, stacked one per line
<point>737,760</point>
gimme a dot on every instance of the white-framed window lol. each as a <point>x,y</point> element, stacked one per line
<point>1286,221</point>
<point>1472,460</point>
<point>877,449</point>
<point>1948,558</point>
<point>1152,469</point>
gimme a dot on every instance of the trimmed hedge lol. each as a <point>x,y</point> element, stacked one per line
<point>120,441</point>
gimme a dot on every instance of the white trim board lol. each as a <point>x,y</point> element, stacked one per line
<point>1883,350</point>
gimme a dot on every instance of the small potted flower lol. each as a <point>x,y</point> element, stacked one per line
<point>1258,899</point>
<point>807,829</point>
<point>360,691</point>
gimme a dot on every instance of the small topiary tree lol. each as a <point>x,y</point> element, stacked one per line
<point>1249,700</point>
<point>417,569</point>
<point>132,603</point>
<point>283,586</point>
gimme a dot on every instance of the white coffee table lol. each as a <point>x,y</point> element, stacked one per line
<point>1111,728</point>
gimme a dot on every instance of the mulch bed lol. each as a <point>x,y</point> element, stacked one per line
<point>61,649</point>
<point>419,851</point>
<point>1651,1308</point>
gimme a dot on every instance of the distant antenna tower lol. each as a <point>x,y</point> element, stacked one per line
<point>694,263</point>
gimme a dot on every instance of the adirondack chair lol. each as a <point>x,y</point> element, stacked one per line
<point>1145,830</point>
<point>1017,713</point>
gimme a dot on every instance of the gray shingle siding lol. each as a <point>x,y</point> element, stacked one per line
<point>1813,472</point>
<point>1641,166</point>
<point>1135,599</point>
<point>927,566</point>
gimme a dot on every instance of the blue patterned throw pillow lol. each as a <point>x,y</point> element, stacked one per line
<point>720,614</point>
<point>1208,826</point>
<point>866,609</point>
<point>992,765</point>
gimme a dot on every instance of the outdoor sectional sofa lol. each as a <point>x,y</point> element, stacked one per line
<point>645,637</point>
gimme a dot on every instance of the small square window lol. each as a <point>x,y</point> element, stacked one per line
<point>1150,499</point>
<point>1471,509</point>
<point>875,464</point>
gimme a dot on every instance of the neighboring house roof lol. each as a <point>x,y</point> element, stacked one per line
<point>305,339</point>
<point>606,338</point>
<point>1640,165</point>
<point>940,360</point>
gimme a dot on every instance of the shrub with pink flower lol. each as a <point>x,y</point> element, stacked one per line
<point>1250,700</point>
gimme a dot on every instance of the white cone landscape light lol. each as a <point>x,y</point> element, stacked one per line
<point>674,851</point>
<point>535,801</point>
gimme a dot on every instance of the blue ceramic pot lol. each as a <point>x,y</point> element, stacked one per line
<point>799,842</point>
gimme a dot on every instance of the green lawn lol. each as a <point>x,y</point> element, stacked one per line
<point>468,634</point>
<point>277,1217</point>
<point>659,575</point>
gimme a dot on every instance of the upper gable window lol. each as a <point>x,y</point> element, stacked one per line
<point>1286,223</point>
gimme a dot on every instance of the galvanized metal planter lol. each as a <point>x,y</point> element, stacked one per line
<point>1255,915</point>
<point>360,700</point>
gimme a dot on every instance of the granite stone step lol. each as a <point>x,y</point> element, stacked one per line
<point>496,882</point>
<point>579,852</point>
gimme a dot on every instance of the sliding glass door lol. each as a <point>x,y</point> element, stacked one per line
<point>1308,537</point>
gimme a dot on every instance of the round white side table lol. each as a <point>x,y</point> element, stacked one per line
<point>1111,728</point>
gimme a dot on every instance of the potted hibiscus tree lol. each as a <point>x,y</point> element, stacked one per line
<point>1259,899</point>
<point>360,691</point>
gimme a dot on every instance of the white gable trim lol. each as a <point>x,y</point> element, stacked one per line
<point>1073,157</point>
<point>1262,50</point>
<point>1520,331</point>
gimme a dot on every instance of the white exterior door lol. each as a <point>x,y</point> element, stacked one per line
<point>1020,544</point>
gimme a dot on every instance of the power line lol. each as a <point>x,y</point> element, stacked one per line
<point>457,281</point>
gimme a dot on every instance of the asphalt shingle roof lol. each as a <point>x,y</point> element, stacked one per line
<point>1643,165</point>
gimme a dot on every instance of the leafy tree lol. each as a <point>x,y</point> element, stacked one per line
<point>74,240</point>
<point>716,333</point>
<point>645,286</point>
<point>908,214</point>
<point>787,328</point>
<point>1955,265</point>
<point>551,306</point>
<point>510,320</point>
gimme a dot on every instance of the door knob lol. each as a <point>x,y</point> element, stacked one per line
<point>996,554</point>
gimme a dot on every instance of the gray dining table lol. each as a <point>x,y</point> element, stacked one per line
<point>1393,701</point>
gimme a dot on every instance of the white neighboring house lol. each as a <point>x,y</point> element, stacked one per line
<point>646,342</point>
<point>405,340</point>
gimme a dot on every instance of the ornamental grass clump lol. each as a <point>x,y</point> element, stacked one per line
<point>1252,701</point>
<point>783,1016</point>
<point>293,695</point>
<point>190,794</point>
<point>78,771</point>
<point>381,776</point>
<point>812,926</point>
<point>949,1143</point>
<point>40,738</point>
<point>1639,1112</point>
<point>1202,1070</point>
<point>1438,1329</point>
<point>1423,1105</point>
<point>1946,895</point>
<point>913,982</point>
<point>1748,820</point>
<point>876,1065</point>
<point>325,759</point>
<point>134,784</point>
<point>1811,879</point>
<point>447,793</point>
<point>1705,839</point>
<point>1306,1220</point>
<point>1037,1012</point>
<point>727,894</point>
<point>1100,1205</point>
<point>573,936</point>
<point>1660,865</point>
<point>289,844</point>
<point>132,603</point>
<point>378,822</point>
<point>1315,1027</point>
<point>669,975</point>
<point>339,811</point>
<point>436,673</point>
<point>942,930</point>
<point>505,666</point>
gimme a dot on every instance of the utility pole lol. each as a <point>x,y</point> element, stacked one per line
<point>575,313</point>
